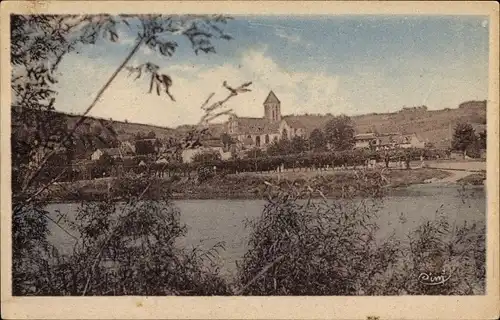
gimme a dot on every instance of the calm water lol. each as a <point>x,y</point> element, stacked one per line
<point>212,221</point>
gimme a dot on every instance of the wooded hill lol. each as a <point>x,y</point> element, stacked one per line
<point>431,125</point>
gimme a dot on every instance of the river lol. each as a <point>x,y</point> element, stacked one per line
<point>212,221</point>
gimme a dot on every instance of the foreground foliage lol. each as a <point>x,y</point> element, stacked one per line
<point>327,247</point>
<point>126,249</point>
<point>129,248</point>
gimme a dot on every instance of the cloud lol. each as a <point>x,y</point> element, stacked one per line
<point>282,31</point>
<point>364,88</point>
<point>299,92</point>
<point>145,50</point>
<point>290,37</point>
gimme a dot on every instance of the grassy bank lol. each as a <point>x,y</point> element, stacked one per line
<point>245,185</point>
<point>475,179</point>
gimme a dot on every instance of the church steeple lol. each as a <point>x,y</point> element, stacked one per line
<point>272,108</point>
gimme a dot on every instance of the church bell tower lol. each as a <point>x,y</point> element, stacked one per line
<point>272,108</point>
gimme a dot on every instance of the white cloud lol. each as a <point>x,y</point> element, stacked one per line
<point>299,92</point>
<point>288,36</point>
<point>283,32</point>
<point>146,51</point>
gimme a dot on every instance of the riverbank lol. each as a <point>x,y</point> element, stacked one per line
<point>245,185</point>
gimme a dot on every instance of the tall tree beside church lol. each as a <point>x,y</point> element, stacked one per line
<point>339,132</point>
<point>298,144</point>
<point>317,140</point>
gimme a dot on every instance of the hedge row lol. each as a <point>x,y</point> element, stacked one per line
<point>351,158</point>
<point>354,158</point>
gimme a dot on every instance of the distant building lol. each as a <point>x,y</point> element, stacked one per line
<point>212,145</point>
<point>257,132</point>
<point>388,141</point>
<point>252,133</point>
<point>410,141</point>
<point>96,155</point>
<point>127,148</point>
<point>365,140</point>
<point>302,125</point>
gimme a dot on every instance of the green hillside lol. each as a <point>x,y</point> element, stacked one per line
<point>431,125</point>
<point>124,130</point>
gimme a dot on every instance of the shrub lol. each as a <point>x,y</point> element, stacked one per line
<point>130,249</point>
<point>438,248</point>
<point>206,157</point>
<point>327,247</point>
<point>305,247</point>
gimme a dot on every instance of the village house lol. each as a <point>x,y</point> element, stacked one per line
<point>127,148</point>
<point>114,153</point>
<point>212,145</point>
<point>410,141</point>
<point>388,141</point>
<point>365,140</point>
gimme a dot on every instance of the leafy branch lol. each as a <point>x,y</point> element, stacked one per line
<point>199,29</point>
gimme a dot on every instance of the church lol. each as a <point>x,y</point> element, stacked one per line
<point>260,132</point>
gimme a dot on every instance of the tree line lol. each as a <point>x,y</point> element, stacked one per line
<point>260,162</point>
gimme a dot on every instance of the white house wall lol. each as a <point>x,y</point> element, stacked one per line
<point>188,154</point>
<point>284,125</point>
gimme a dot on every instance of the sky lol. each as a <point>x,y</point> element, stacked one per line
<point>315,64</point>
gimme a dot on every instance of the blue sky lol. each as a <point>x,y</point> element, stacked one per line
<point>314,64</point>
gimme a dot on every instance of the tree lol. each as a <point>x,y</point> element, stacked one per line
<point>429,145</point>
<point>464,137</point>
<point>158,144</point>
<point>140,135</point>
<point>317,140</point>
<point>482,139</point>
<point>280,147</point>
<point>255,153</point>
<point>298,144</point>
<point>206,156</point>
<point>339,132</point>
<point>104,165</point>
<point>151,135</point>
<point>226,140</point>
<point>145,147</point>
<point>274,149</point>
